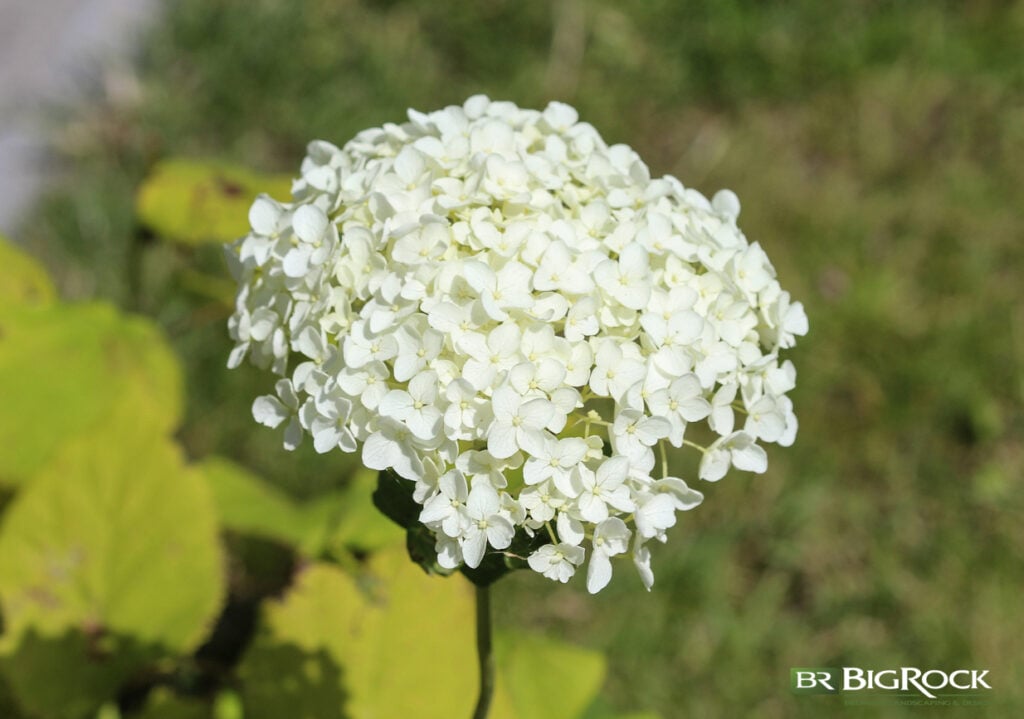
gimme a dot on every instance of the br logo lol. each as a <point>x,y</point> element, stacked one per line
<point>815,680</point>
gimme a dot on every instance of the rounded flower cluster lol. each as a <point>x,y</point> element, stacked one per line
<point>514,316</point>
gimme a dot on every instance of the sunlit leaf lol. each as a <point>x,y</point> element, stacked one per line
<point>340,521</point>
<point>23,281</point>
<point>228,705</point>
<point>364,651</point>
<point>293,668</point>
<point>109,559</point>
<point>548,679</point>
<point>162,704</point>
<point>249,505</point>
<point>361,526</point>
<point>70,369</point>
<point>197,201</point>
<point>396,642</point>
<point>600,710</point>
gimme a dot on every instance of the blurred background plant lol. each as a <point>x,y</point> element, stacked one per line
<point>160,556</point>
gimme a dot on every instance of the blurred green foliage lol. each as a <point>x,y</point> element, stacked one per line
<point>878,148</point>
<point>113,575</point>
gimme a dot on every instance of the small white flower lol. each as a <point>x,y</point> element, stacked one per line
<point>554,459</point>
<point>499,352</point>
<point>642,562</point>
<point>481,465</point>
<point>417,347</point>
<point>654,515</point>
<point>557,561</point>
<point>766,420</point>
<point>682,402</point>
<point>447,508</point>
<point>737,449</point>
<point>537,380</point>
<point>582,321</point>
<point>330,426</point>
<point>368,383</point>
<point>603,488</point>
<point>611,537</point>
<point>485,525</point>
<point>363,346</point>
<point>517,424</point>
<point>614,373</point>
<point>416,407</point>
<point>558,271</point>
<point>681,495</point>
<point>315,239</point>
<point>466,411</point>
<point>570,529</point>
<point>627,279</point>
<point>273,411</point>
<point>541,501</point>
<point>501,291</point>
<point>392,446</point>
<point>722,417</point>
<point>633,433</point>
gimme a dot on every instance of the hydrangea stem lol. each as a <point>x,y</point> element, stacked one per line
<point>484,651</point>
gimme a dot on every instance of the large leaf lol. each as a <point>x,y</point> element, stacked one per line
<point>361,526</point>
<point>162,704</point>
<point>350,654</point>
<point>193,201</point>
<point>66,370</point>
<point>23,281</point>
<point>249,505</point>
<point>396,642</point>
<point>109,558</point>
<point>548,679</point>
<point>337,522</point>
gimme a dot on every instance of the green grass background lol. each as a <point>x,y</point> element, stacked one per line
<point>878,150</point>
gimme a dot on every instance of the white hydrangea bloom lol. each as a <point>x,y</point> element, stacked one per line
<point>514,316</point>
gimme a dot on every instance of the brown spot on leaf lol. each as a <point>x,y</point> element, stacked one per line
<point>99,644</point>
<point>229,188</point>
<point>43,597</point>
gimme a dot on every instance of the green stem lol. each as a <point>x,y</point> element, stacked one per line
<point>484,651</point>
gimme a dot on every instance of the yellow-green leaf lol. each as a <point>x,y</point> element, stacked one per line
<point>109,559</point>
<point>396,642</point>
<point>347,653</point>
<point>361,526</point>
<point>162,704</point>
<point>548,679</point>
<point>23,281</point>
<point>193,201</point>
<point>66,370</point>
<point>249,505</point>
<point>340,520</point>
